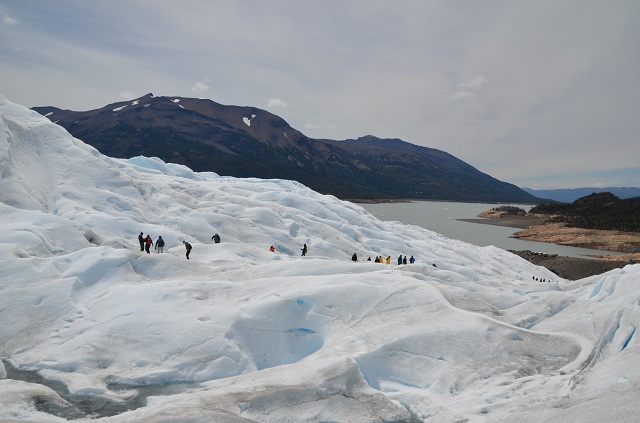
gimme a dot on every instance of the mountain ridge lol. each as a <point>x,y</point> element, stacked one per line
<point>569,195</point>
<point>246,141</point>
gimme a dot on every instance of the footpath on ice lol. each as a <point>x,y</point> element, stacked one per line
<point>241,334</point>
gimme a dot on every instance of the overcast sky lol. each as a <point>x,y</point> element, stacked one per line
<point>544,94</point>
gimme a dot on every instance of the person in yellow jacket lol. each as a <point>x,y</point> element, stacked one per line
<point>389,260</point>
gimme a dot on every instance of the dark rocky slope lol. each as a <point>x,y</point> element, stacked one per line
<point>250,142</point>
<point>602,211</point>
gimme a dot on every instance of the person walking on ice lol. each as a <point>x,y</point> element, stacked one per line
<point>188,247</point>
<point>216,238</point>
<point>304,250</point>
<point>148,243</point>
<point>141,241</point>
<point>159,244</point>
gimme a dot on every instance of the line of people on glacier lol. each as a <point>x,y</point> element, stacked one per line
<point>146,243</point>
<point>380,259</point>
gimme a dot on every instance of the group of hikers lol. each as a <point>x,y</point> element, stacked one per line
<point>146,243</point>
<point>304,250</point>
<point>537,279</point>
<point>379,259</point>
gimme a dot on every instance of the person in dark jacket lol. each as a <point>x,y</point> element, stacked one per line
<point>404,260</point>
<point>141,240</point>
<point>159,244</point>
<point>188,247</point>
<point>304,250</point>
<point>216,238</point>
<point>148,242</point>
<point>399,259</point>
<point>412,260</point>
<point>354,257</point>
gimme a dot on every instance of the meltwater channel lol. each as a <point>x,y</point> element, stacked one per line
<point>443,218</point>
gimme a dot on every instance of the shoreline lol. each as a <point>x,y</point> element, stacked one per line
<point>571,268</point>
<point>538,229</point>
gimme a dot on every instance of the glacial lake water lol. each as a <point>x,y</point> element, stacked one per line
<point>443,218</point>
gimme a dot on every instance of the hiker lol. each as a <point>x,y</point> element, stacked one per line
<point>141,240</point>
<point>404,260</point>
<point>354,257</point>
<point>377,260</point>
<point>273,250</point>
<point>188,247</point>
<point>304,250</point>
<point>412,260</point>
<point>388,259</point>
<point>148,242</point>
<point>369,259</point>
<point>399,259</point>
<point>216,238</point>
<point>159,244</point>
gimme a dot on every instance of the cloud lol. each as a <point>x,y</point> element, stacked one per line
<point>275,102</point>
<point>8,20</point>
<point>200,86</point>
<point>463,95</point>
<point>476,83</point>
<point>468,90</point>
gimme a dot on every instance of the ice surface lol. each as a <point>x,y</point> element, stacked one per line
<point>241,334</point>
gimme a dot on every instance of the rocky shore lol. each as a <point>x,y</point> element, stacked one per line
<point>537,228</point>
<point>572,268</point>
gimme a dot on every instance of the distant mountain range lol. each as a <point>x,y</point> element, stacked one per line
<point>250,142</point>
<point>571,195</point>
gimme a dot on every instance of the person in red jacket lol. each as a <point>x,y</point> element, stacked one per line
<point>148,242</point>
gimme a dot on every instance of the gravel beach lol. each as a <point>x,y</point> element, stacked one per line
<point>536,228</point>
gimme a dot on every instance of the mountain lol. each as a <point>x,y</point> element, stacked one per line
<point>601,210</point>
<point>570,195</point>
<point>250,142</point>
<point>93,329</point>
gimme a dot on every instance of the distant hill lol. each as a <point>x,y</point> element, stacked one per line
<point>250,142</point>
<point>596,211</point>
<point>571,195</point>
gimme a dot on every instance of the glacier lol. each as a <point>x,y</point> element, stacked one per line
<point>93,329</point>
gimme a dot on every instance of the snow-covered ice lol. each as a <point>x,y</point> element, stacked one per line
<point>240,334</point>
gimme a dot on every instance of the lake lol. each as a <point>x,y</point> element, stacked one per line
<point>442,217</point>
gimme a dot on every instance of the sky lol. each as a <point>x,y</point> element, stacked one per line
<point>239,334</point>
<point>541,94</point>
